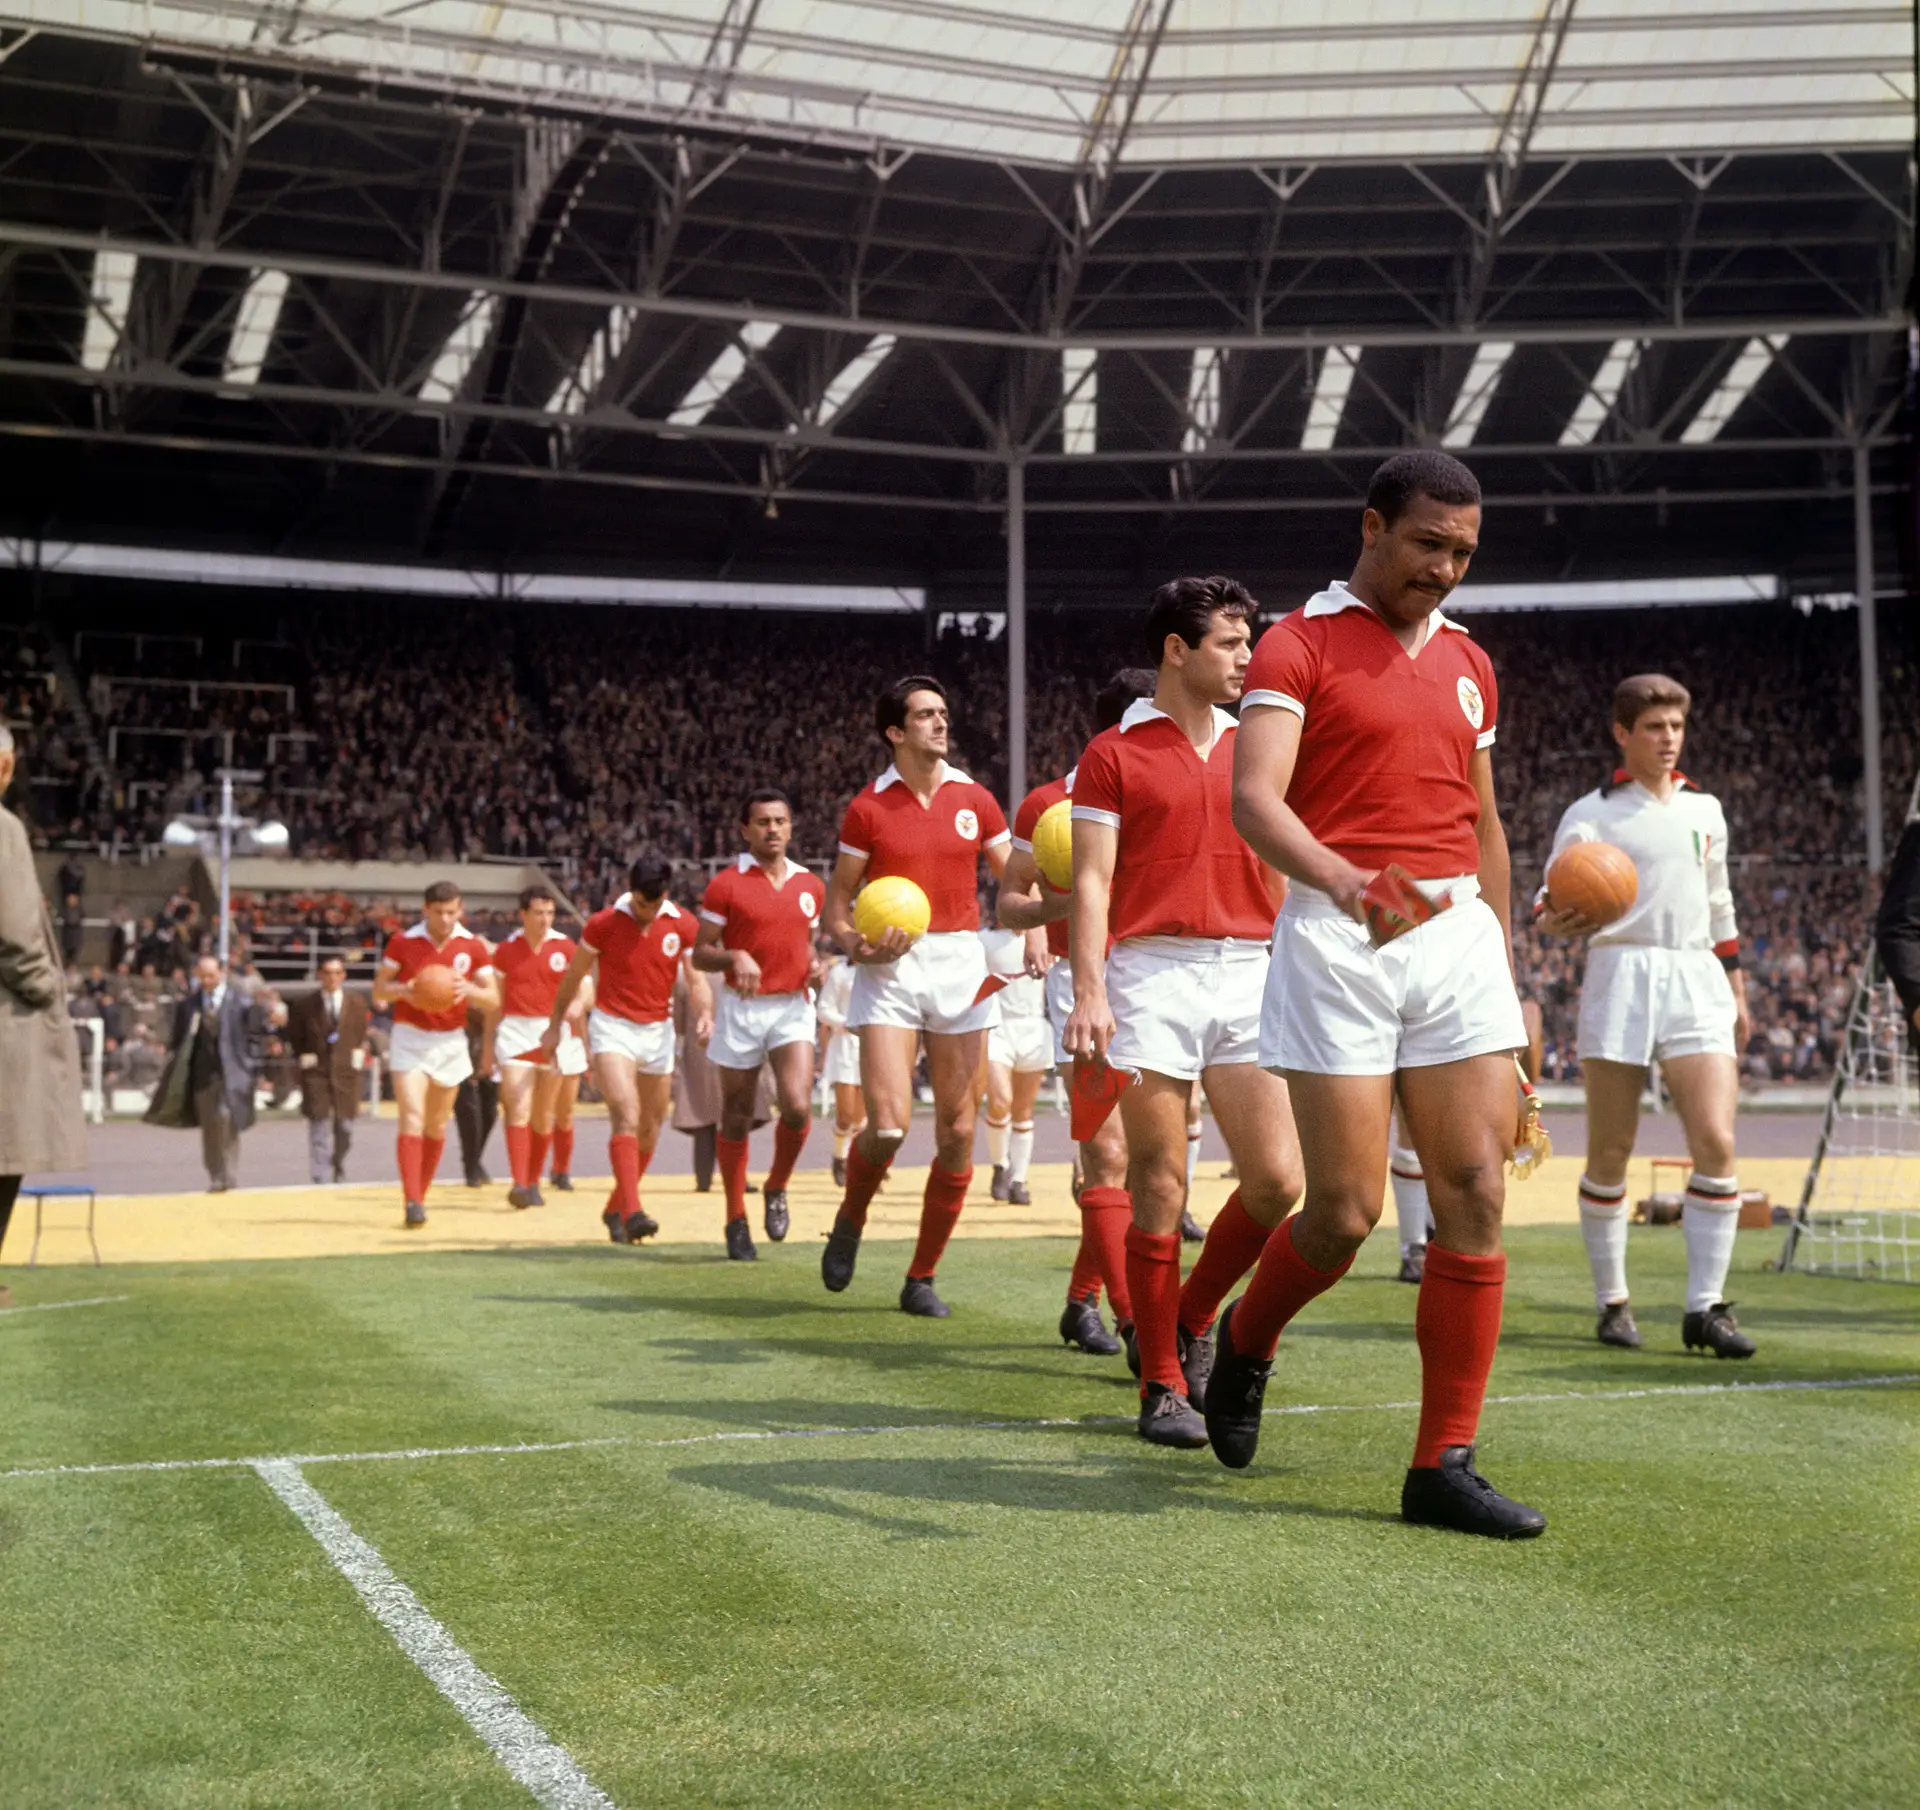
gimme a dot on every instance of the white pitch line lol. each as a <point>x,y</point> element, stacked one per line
<point>1818,1386</point>
<point>520,1744</point>
<point>47,1307</point>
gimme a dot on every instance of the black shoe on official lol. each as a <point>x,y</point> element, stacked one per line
<point>1453,1494</point>
<point>1080,1324</point>
<point>640,1224</point>
<point>1716,1330</point>
<point>1167,1418</point>
<point>1017,1195</point>
<point>839,1171</point>
<point>562,1181</point>
<point>1617,1328</point>
<point>616,1230</point>
<point>837,1260</point>
<point>1191,1230</point>
<point>339,1172</point>
<point>1132,1344</point>
<point>999,1189</point>
<point>1236,1392</point>
<point>917,1297</point>
<point>1413,1263</point>
<point>1196,1365</point>
<point>775,1216</point>
<point>518,1196</point>
<point>416,1214</point>
<point>740,1242</point>
<point>478,1178</point>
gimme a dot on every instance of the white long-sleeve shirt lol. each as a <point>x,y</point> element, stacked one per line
<point>1679,847</point>
<point>836,994</point>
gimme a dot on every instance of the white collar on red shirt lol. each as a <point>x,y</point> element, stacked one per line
<point>625,903</point>
<point>745,864</point>
<point>1336,597</point>
<point>1144,710</point>
<point>948,776</point>
<point>421,930</point>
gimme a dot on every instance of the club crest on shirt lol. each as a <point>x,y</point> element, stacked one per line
<point>556,961</point>
<point>670,944</point>
<point>462,962</point>
<point>808,909</point>
<point>968,824</point>
<point>1471,703</point>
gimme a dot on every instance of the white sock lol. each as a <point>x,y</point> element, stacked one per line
<point>1409,1197</point>
<point>997,1142</point>
<point>1709,1219</point>
<point>841,1139</point>
<point>1603,1224</point>
<point>1193,1155</point>
<point>1019,1151</point>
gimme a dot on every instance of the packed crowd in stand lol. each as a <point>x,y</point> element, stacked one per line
<point>572,736</point>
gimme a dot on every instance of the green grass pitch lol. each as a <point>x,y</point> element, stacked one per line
<point>1722,1612</point>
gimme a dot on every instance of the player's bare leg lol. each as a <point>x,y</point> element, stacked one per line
<point>1409,1201</point>
<point>849,1120</point>
<point>792,1066</point>
<point>997,1091</point>
<point>637,1106</point>
<point>953,1060</point>
<point>887,1053</point>
<point>1706,1094</point>
<point>528,1091</point>
<point>1613,1091</point>
<point>1023,1095</point>
<point>561,1131</point>
<point>1106,1214</point>
<point>1191,1230</point>
<point>423,1108</point>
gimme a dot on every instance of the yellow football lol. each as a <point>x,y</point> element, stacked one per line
<point>1053,845</point>
<point>893,902</point>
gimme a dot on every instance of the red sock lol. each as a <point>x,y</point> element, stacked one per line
<point>1105,1215</point>
<point>1234,1243</point>
<point>1153,1282</point>
<point>1283,1284</point>
<point>788,1142</point>
<point>1458,1325</point>
<point>537,1142</point>
<point>731,1159</point>
<point>625,1152</point>
<point>563,1150</point>
<point>1084,1283</point>
<point>430,1149</point>
<point>517,1154</point>
<point>939,1213</point>
<point>408,1152</point>
<point>863,1180</point>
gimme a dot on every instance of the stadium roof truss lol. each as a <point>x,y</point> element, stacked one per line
<point>1157,257</point>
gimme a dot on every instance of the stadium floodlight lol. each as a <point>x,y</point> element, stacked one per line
<point>462,347</point>
<point>1203,399</point>
<point>1329,401</point>
<point>1591,411</point>
<point>1734,388</point>
<point>582,383</point>
<point>109,296</point>
<point>1079,400</point>
<point>253,327</point>
<point>720,376</point>
<point>222,837</point>
<point>1483,378</point>
<point>853,377</point>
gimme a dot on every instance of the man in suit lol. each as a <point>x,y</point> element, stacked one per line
<point>327,1032</point>
<point>223,1030</point>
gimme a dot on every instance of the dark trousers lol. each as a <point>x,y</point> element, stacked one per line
<point>9,1191</point>
<point>703,1155</point>
<point>475,1108</point>
<point>219,1142</point>
<point>328,1140</point>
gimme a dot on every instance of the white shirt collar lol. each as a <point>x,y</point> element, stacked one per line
<point>1337,597</point>
<point>947,776</point>
<point>745,864</point>
<point>625,903</point>
<point>1144,710</point>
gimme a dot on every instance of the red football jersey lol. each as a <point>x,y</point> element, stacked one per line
<point>937,846</point>
<point>773,924</point>
<point>411,950</point>
<point>637,962</point>
<point>1181,868</point>
<point>1033,807</point>
<point>1387,739</point>
<point>530,977</point>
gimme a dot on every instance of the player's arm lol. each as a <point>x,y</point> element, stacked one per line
<point>1724,928</point>
<point>1496,865</point>
<point>1264,753</point>
<point>1090,1025</point>
<point>848,871</point>
<point>582,1005</point>
<point>1026,901</point>
<point>482,989</point>
<point>387,984</point>
<point>699,1000</point>
<point>711,956</point>
<point>1550,918</point>
<point>563,996</point>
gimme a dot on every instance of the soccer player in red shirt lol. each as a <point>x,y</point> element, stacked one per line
<point>634,949</point>
<point>1171,918</point>
<point>1027,902</point>
<point>534,1093</point>
<point>429,1056</point>
<point>932,824</point>
<point>1368,727</point>
<point>756,929</point>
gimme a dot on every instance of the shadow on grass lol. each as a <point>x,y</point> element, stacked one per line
<point>794,1413</point>
<point>716,1307</point>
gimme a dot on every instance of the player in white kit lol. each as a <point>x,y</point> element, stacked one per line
<point>840,1058</point>
<point>1019,1054</point>
<point>1663,984</point>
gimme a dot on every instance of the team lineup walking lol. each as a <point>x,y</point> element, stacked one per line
<point>1275,879</point>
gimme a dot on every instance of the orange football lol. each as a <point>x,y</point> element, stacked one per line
<point>433,989</point>
<point>1595,879</point>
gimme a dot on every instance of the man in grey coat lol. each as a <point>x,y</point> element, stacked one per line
<point>223,1031</point>
<point>40,1124</point>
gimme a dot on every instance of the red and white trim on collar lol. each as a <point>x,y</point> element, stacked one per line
<point>948,776</point>
<point>420,930</point>
<point>668,909</point>
<point>744,863</point>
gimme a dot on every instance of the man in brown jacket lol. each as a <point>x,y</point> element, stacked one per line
<point>40,1125</point>
<point>327,1032</point>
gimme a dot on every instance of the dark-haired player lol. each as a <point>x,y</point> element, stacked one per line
<point>756,929</point>
<point>429,1056</point>
<point>932,824</point>
<point>634,949</point>
<point>1365,744</point>
<point>1171,917</point>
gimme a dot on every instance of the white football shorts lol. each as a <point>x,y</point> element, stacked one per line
<point>934,987</point>
<point>518,1040</point>
<point>1022,1044</point>
<point>746,1028</point>
<point>442,1056</point>
<point>1336,1005</point>
<point>1059,984</point>
<point>649,1047</point>
<point>1183,1004</point>
<point>1640,1004</point>
<point>843,1060</point>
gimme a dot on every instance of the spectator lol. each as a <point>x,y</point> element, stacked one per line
<point>327,1031</point>
<point>220,1032</point>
